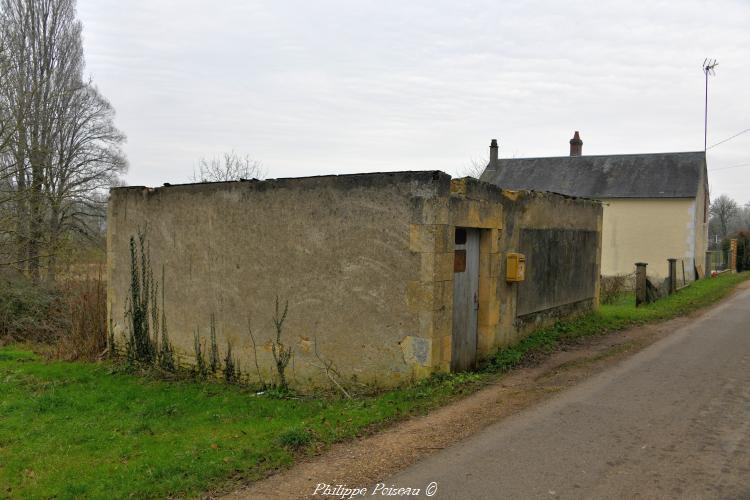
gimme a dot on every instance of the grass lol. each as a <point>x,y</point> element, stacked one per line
<point>71,430</point>
<point>617,316</point>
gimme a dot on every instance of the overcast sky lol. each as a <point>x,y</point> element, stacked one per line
<point>320,87</point>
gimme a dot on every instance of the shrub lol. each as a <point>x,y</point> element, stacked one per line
<point>86,301</point>
<point>69,315</point>
<point>30,312</point>
<point>612,287</point>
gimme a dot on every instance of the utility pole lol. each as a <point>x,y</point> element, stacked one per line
<point>708,69</point>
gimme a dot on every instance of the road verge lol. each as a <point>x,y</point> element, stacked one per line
<point>518,377</point>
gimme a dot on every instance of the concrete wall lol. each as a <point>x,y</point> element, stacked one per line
<point>652,231</point>
<point>563,267</point>
<point>561,238</point>
<point>365,261</point>
<point>338,248</point>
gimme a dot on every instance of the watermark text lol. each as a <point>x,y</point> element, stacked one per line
<point>345,492</point>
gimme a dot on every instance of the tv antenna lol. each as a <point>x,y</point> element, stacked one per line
<point>709,66</point>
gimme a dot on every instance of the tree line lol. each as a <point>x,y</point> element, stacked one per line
<point>727,217</point>
<point>59,147</point>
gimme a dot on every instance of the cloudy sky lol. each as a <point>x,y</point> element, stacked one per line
<point>319,87</point>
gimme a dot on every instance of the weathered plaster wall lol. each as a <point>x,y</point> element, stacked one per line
<point>562,267</point>
<point>651,231</point>
<point>337,247</point>
<point>561,238</point>
<point>366,262</point>
<point>475,204</point>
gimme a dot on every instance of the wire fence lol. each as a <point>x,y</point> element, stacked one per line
<point>716,261</point>
<point>684,272</point>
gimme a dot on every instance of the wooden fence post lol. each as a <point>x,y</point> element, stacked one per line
<point>672,276</point>
<point>640,283</point>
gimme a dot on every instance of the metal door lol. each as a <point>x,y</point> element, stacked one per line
<point>465,299</point>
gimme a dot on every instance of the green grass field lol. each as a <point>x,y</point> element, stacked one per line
<point>71,430</point>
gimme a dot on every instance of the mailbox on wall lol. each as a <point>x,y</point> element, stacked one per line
<point>515,267</point>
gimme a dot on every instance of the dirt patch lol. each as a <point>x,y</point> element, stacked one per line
<point>374,458</point>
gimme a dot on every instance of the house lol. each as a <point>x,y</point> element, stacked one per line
<point>389,276</point>
<point>655,205</point>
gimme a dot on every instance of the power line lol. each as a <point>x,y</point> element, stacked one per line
<point>746,164</point>
<point>729,138</point>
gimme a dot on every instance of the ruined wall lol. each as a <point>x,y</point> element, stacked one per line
<point>561,239</point>
<point>338,248</point>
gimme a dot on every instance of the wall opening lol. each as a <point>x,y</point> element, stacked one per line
<point>465,299</point>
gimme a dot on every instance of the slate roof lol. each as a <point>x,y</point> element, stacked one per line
<point>655,175</point>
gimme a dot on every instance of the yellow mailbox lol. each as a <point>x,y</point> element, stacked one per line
<point>515,267</point>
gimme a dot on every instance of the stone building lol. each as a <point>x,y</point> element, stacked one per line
<point>655,205</point>
<point>392,276</point>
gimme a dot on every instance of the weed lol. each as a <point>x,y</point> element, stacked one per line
<point>281,354</point>
<point>261,380</point>
<point>612,287</point>
<point>86,300</point>
<point>213,353</point>
<point>141,347</point>
<point>231,367</point>
<point>295,438</point>
<point>200,369</point>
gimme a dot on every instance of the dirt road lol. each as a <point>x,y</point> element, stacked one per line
<point>672,421</point>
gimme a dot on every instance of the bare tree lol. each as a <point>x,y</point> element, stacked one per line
<point>743,218</point>
<point>228,167</point>
<point>6,123</point>
<point>474,168</point>
<point>6,164</point>
<point>724,209</point>
<point>88,160</point>
<point>63,149</point>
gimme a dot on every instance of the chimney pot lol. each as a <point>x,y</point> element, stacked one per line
<point>576,145</point>
<point>493,154</point>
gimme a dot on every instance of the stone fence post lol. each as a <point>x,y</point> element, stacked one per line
<point>672,276</point>
<point>640,283</point>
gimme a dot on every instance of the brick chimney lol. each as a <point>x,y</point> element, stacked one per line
<point>576,145</point>
<point>493,155</point>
